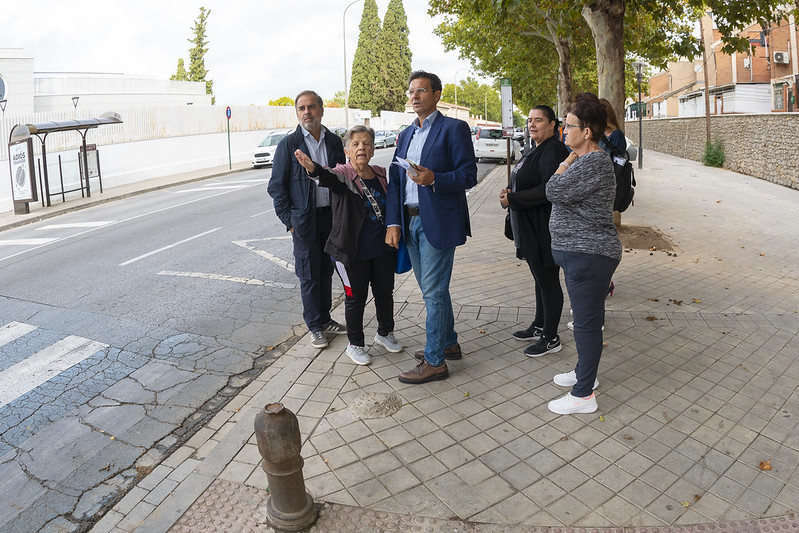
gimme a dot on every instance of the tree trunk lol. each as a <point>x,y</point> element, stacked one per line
<point>606,20</point>
<point>564,75</point>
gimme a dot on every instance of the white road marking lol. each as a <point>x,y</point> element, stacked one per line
<point>96,224</point>
<point>262,213</point>
<point>26,375</point>
<point>210,188</point>
<point>26,242</point>
<point>140,215</point>
<point>223,277</point>
<point>266,255</point>
<point>148,254</point>
<point>13,331</point>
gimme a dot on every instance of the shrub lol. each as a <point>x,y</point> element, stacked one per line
<point>714,154</point>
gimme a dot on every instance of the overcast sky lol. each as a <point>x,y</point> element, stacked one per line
<point>259,50</point>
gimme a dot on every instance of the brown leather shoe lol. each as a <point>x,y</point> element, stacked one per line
<point>423,373</point>
<point>451,353</point>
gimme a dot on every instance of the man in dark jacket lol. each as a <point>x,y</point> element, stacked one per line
<point>305,210</point>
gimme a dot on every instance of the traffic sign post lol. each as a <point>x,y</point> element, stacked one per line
<point>506,97</point>
<point>229,159</point>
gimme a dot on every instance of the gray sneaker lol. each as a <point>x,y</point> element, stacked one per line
<point>389,342</point>
<point>334,328</point>
<point>318,340</point>
<point>358,355</point>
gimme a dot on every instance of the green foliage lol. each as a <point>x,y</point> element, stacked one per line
<point>180,74</point>
<point>197,70</point>
<point>336,101</point>
<point>476,96</point>
<point>365,71</point>
<point>282,101</point>
<point>714,154</point>
<point>394,57</point>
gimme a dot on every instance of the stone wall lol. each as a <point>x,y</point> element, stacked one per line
<point>765,146</point>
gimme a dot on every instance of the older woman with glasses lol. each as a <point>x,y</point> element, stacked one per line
<point>529,211</point>
<point>584,243</point>
<point>357,240</point>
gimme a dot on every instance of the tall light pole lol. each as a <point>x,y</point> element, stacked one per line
<point>707,83</point>
<point>639,67</point>
<point>346,80</point>
<point>456,89</point>
<point>75,104</point>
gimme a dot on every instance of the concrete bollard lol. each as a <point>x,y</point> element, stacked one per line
<point>289,507</point>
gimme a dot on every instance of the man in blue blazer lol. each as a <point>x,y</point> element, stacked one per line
<point>304,208</point>
<point>427,206</point>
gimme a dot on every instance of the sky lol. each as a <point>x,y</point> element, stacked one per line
<point>258,50</point>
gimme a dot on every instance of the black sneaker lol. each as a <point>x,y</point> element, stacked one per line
<point>543,347</point>
<point>533,333</point>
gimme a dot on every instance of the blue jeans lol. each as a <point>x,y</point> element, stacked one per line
<point>314,268</point>
<point>433,271</point>
<point>587,279</point>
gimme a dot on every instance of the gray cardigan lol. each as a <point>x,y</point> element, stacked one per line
<point>582,207</point>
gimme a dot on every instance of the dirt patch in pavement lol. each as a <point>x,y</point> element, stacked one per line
<point>644,238</point>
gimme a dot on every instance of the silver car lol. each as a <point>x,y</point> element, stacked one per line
<point>385,138</point>
<point>265,152</point>
<point>490,144</point>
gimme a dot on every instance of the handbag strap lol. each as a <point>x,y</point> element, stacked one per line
<point>372,200</point>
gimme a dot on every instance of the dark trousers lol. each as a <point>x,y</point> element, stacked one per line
<point>314,268</point>
<point>587,279</point>
<point>379,272</point>
<point>548,298</point>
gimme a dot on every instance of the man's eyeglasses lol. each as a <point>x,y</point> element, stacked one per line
<point>411,92</point>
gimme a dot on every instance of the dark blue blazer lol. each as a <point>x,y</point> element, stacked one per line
<point>294,194</point>
<point>449,153</point>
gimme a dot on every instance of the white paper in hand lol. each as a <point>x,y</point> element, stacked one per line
<point>407,164</point>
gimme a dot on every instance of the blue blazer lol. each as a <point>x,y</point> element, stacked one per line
<point>449,153</point>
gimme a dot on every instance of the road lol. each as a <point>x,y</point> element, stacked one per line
<point>124,328</point>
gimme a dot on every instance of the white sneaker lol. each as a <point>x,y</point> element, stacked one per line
<point>358,355</point>
<point>569,379</point>
<point>569,405</point>
<point>389,342</point>
<point>570,325</point>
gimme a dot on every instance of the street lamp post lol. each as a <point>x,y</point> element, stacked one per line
<point>346,81</point>
<point>75,104</point>
<point>456,90</point>
<point>639,67</point>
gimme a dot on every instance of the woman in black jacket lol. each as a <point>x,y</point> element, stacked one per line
<point>357,240</point>
<point>529,210</point>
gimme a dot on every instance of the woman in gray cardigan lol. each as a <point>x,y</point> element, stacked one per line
<point>585,244</point>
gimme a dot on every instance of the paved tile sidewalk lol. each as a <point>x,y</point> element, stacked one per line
<point>698,385</point>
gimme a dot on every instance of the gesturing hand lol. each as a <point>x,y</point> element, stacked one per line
<point>304,160</point>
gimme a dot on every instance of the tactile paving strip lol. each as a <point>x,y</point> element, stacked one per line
<point>227,507</point>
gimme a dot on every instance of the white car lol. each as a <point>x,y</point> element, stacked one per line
<point>265,152</point>
<point>490,144</point>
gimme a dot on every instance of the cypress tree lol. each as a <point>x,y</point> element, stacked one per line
<point>366,81</point>
<point>394,57</point>
<point>197,70</point>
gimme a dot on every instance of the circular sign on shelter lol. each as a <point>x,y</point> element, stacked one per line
<point>227,112</point>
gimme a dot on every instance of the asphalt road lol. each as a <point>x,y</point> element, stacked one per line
<point>126,326</point>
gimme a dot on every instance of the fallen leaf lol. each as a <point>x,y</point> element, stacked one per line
<point>465,394</point>
<point>626,437</point>
<point>654,300</point>
<point>113,438</point>
<point>481,331</point>
<point>666,417</point>
<point>653,249</point>
<point>650,318</point>
<point>327,461</point>
<point>604,344</point>
<point>762,255</point>
<point>106,467</point>
<point>697,497</point>
<point>743,246</point>
<point>697,301</point>
<point>696,260</point>
<point>718,201</point>
<point>601,418</point>
<point>685,504</point>
<point>562,439</point>
<point>270,348</point>
<point>765,465</point>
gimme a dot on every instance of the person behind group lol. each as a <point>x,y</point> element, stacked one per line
<point>427,205</point>
<point>616,138</point>
<point>529,211</point>
<point>357,240</point>
<point>305,211</point>
<point>585,244</point>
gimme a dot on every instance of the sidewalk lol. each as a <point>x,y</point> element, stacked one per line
<point>698,385</point>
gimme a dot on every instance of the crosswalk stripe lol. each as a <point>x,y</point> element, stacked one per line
<point>28,374</point>
<point>25,242</point>
<point>14,330</point>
